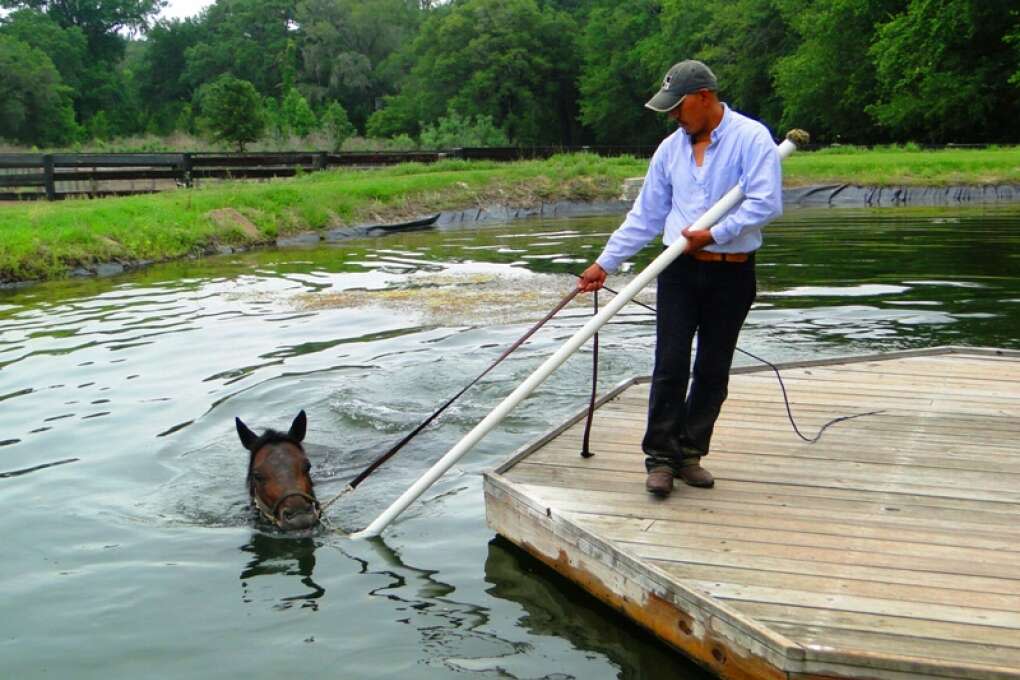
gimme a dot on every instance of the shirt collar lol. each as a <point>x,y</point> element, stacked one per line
<point>723,124</point>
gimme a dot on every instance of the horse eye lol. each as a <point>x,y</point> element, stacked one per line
<point>308,466</point>
<point>258,476</point>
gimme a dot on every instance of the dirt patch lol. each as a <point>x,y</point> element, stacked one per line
<point>229,218</point>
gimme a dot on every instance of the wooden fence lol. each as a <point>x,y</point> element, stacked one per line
<point>57,176</point>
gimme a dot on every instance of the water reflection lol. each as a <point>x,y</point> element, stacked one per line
<point>452,632</point>
<point>555,606</point>
<point>282,555</point>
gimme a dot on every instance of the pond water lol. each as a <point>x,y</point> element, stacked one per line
<point>129,548</point>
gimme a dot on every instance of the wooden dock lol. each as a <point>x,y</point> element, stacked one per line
<point>890,549</point>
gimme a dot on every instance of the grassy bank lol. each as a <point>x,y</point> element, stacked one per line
<point>904,166</point>
<point>47,240</point>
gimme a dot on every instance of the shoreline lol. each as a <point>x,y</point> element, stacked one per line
<point>810,196</point>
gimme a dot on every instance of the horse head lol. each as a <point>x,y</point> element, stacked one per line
<point>278,475</point>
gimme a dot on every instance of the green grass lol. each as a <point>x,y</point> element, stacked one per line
<point>909,166</point>
<point>46,240</point>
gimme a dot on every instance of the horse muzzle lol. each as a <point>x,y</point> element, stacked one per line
<point>288,517</point>
<point>290,520</point>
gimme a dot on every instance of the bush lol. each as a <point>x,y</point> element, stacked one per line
<point>337,125</point>
<point>296,115</point>
<point>452,131</point>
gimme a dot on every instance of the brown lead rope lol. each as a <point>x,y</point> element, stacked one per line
<point>425,423</point>
<point>585,451</point>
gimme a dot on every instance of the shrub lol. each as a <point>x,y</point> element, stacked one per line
<point>337,125</point>
<point>453,130</point>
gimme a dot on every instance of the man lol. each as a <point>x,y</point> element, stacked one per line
<point>709,289</point>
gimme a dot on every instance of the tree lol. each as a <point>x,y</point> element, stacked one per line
<point>35,106</point>
<point>614,80</point>
<point>347,47</point>
<point>246,38</point>
<point>67,48</point>
<point>297,115</point>
<point>828,80</point>
<point>1013,38</point>
<point>739,40</point>
<point>337,125</point>
<point>508,59</point>
<point>102,21</point>
<point>232,110</point>
<point>943,69</point>
<point>160,75</point>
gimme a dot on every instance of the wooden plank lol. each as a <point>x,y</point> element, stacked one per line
<point>728,592</point>
<point>663,550</point>
<point>634,481</point>
<point>850,397</point>
<point>619,441</point>
<point>974,368</point>
<point>21,160</point>
<point>771,408</point>
<point>834,584</point>
<point>995,376</point>
<point>563,451</point>
<point>79,160</point>
<point>725,469</point>
<point>763,451</point>
<point>709,511</point>
<point>847,385</point>
<point>34,179</point>
<point>898,426</point>
<point>996,657</point>
<point>791,615</point>
<point>105,175</point>
<point>665,532</point>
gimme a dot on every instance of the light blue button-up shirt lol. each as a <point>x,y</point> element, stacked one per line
<point>676,192</point>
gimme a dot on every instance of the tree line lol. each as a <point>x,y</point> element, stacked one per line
<point>527,72</point>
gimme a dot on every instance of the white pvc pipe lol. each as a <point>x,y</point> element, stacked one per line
<point>713,215</point>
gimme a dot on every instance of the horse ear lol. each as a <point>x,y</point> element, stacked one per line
<point>298,427</point>
<point>247,436</point>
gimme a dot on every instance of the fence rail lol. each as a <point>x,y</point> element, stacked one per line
<point>57,176</point>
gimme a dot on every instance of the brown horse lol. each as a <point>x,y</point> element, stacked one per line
<point>278,479</point>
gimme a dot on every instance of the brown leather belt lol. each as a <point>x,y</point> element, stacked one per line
<point>706,256</point>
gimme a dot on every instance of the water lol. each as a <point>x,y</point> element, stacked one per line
<point>129,549</point>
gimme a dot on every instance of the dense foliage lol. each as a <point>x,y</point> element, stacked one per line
<point>507,71</point>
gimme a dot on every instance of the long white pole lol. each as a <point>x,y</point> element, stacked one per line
<point>713,215</point>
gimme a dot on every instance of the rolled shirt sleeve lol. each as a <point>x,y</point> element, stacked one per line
<point>646,218</point>
<point>762,184</point>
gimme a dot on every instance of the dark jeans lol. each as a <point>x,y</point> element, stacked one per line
<point>711,299</point>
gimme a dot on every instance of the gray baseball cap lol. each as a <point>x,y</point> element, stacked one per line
<point>681,80</point>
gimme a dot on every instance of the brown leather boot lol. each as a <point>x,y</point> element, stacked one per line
<point>660,481</point>
<point>691,472</point>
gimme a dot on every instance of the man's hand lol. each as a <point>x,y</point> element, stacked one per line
<point>592,278</point>
<point>696,240</point>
